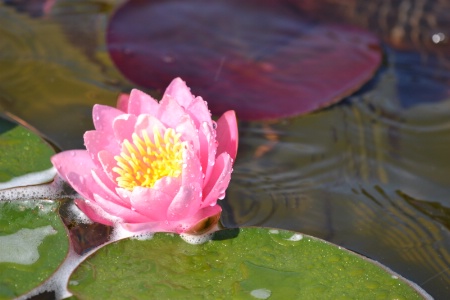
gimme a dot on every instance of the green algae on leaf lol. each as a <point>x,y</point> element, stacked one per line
<point>235,264</point>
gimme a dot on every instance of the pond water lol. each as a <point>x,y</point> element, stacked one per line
<point>370,173</point>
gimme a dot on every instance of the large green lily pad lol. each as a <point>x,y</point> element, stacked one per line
<point>250,263</point>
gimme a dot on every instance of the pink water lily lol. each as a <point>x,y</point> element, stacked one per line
<point>153,167</point>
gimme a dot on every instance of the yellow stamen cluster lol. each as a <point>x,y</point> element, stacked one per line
<point>144,161</point>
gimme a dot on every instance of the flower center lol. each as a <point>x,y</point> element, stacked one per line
<point>144,161</point>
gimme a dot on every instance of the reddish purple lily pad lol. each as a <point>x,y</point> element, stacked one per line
<point>260,58</point>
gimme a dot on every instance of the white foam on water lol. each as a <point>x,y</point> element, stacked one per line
<point>53,191</point>
<point>143,236</point>
<point>196,239</point>
<point>78,215</point>
<point>261,293</point>
<point>59,280</point>
<point>30,179</point>
<point>296,237</point>
<point>22,247</point>
<point>120,233</point>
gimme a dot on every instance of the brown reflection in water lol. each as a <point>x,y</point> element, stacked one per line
<point>405,24</point>
<point>83,237</point>
<point>434,210</point>
<point>418,240</point>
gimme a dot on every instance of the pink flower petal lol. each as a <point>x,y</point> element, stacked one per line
<point>123,127</point>
<point>192,169</point>
<point>94,212</point>
<point>185,203</point>
<point>188,132</point>
<point>156,226</point>
<point>75,167</point>
<point>208,146</point>
<point>96,141</point>
<point>227,134</point>
<point>199,112</point>
<point>108,163</point>
<point>148,123</point>
<point>63,161</point>
<point>151,203</point>
<point>154,202</point>
<point>122,102</point>
<point>126,214</point>
<point>178,90</point>
<point>204,213</point>
<point>125,195</point>
<point>174,226</point>
<point>141,103</point>
<point>103,117</point>
<point>170,112</point>
<point>169,185</point>
<point>79,184</point>
<point>219,180</point>
<point>106,189</point>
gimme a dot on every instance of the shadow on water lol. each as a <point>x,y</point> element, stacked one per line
<point>370,174</point>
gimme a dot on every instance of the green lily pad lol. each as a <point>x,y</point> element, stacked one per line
<point>32,247</point>
<point>250,263</point>
<point>22,151</point>
<point>33,239</point>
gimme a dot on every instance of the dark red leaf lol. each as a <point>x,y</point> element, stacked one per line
<point>260,58</point>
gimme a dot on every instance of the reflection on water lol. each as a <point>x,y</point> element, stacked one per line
<point>370,174</point>
<point>48,82</point>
